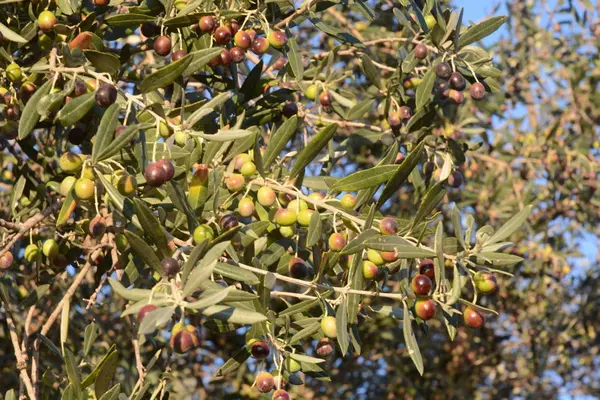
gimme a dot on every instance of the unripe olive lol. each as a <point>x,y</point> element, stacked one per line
<point>430,21</point>
<point>6,260</point>
<point>388,226</point>
<point>32,252</point>
<point>97,226</point>
<point>473,318</point>
<point>426,268</point>
<point>234,182</point>
<point>421,285</point>
<point>369,270</point>
<point>285,217</point>
<point>240,160</point>
<point>148,308</point>
<point>375,257</point>
<point>70,162</point>
<point>67,184</point>
<point>298,268</point>
<point>246,207</point>
<point>324,347</point>
<point>348,201</point>
<point>47,20</point>
<point>425,309</point>
<point>248,169</point>
<point>260,350</point>
<point>266,196</point>
<point>50,248</point>
<point>181,138</point>
<point>316,196</point>
<point>13,72</point>
<point>84,188</point>
<point>485,282</point>
<point>277,39</point>
<point>281,394</point>
<point>311,92</point>
<point>304,217</point>
<point>329,327</point>
<point>287,231</point>
<point>297,205</point>
<point>121,242</point>
<point>202,233</point>
<point>337,241</point>
<point>265,382</point>
<point>292,365</point>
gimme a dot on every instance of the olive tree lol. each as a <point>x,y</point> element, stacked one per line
<point>230,197</point>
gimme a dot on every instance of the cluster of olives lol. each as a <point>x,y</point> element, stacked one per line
<point>455,83</point>
<point>224,33</point>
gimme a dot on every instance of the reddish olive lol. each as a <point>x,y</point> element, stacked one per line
<point>155,174</point>
<point>106,95</point>
<point>260,46</point>
<point>242,40</point>
<point>178,55</point>
<point>457,81</point>
<point>222,35</point>
<point>260,350</point>
<point>168,167</point>
<point>388,226</point>
<point>162,45</point>
<point>425,309</point>
<point>421,285</point>
<point>144,311</point>
<point>473,318</point>
<point>421,51</point>
<point>298,268</point>
<point>324,347</point>
<point>426,268</point>
<point>336,241</point>
<point>477,91</point>
<point>170,266</point>
<point>207,23</point>
<point>237,55</point>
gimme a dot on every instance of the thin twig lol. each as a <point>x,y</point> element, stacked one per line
<point>21,362</point>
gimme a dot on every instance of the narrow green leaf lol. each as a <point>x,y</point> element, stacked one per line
<point>134,294</point>
<point>356,282</point>
<point>423,93</point>
<point>11,35</point>
<point>103,62</point>
<point>234,272</point>
<point>30,116</point>
<point>67,208</point>
<point>341,321</point>
<point>409,163</point>
<point>357,111</point>
<point>295,59</point>
<point>223,135</point>
<point>313,148</point>
<point>497,259</point>
<point>404,248</point>
<point>165,76</point>
<point>76,109</point>
<point>112,393</point>
<point>233,315</point>
<point>314,229</point>
<point>305,332</point>
<point>234,362</point>
<point>129,19</point>
<point>89,337</point>
<point>510,226</point>
<point>430,201</point>
<point>106,374</point>
<point>152,228</point>
<point>411,342</point>
<point>144,251</point>
<point>155,319</point>
<point>371,71</point>
<point>481,30</point>
<point>307,359</point>
<point>72,372</point>
<point>278,141</point>
<point>210,298</point>
<point>106,131</point>
<point>358,243</point>
<point>204,268</point>
<point>193,259</point>
<point>123,140</point>
<point>366,178</point>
